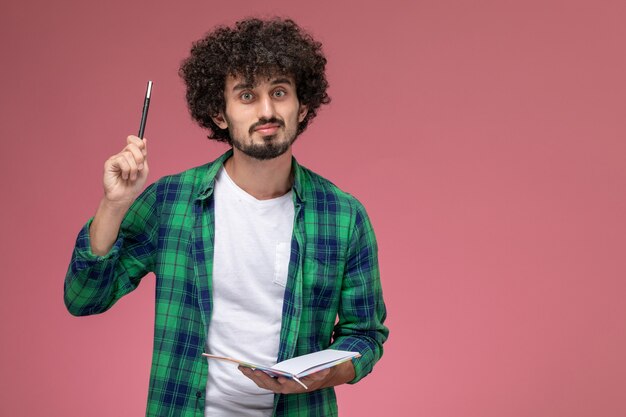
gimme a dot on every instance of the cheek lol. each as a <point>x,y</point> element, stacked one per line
<point>239,123</point>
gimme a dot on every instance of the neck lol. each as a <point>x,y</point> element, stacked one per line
<point>261,179</point>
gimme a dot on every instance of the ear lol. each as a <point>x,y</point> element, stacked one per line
<point>220,120</point>
<point>302,112</point>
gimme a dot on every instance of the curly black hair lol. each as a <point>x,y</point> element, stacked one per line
<point>253,48</point>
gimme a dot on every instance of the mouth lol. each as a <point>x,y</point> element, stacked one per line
<point>267,129</point>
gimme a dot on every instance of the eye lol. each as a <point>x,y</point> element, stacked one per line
<point>280,93</point>
<point>247,96</point>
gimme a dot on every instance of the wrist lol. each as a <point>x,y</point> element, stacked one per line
<point>114,207</point>
<point>105,226</point>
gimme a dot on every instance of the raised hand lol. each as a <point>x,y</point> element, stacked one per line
<point>125,173</point>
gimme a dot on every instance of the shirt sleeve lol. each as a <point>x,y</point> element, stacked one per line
<point>94,283</point>
<point>362,310</point>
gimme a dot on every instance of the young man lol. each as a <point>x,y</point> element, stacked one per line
<point>255,256</point>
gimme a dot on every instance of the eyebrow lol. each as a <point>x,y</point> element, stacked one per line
<point>242,86</point>
<point>248,86</point>
<point>281,81</point>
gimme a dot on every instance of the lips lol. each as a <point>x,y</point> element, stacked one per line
<point>267,129</point>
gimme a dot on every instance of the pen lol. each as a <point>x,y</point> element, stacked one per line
<point>144,113</point>
<point>295,378</point>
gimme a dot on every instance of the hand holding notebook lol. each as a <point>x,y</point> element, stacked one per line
<point>298,367</point>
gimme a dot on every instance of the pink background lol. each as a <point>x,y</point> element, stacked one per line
<point>486,139</point>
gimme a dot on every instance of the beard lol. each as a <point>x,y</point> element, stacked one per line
<point>270,148</point>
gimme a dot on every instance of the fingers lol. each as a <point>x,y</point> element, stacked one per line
<point>141,144</point>
<point>131,160</point>
<point>282,385</point>
<point>132,164</point>
<point>262,379</point>
<point>138,147</point>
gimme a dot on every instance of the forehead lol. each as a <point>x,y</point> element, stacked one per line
<point>239,82</point>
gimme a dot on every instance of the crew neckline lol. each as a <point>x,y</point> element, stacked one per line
<point>244,194</point>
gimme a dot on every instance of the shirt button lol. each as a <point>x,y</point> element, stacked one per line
<point>198,394</point>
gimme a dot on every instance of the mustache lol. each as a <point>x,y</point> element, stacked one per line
<point>263,121</point>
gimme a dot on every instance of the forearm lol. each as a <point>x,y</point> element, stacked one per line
<point>89,283</point>
<point>93,282</point>
<point>97,277</point>
<point>105,226</point>
<point>368,343</point>
<point>340,374</point>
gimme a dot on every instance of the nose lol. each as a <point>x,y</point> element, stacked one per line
<point>266,108</point>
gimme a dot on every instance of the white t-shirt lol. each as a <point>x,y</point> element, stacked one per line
<point>251,258</point>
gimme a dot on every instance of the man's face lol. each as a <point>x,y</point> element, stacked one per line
<point>262,119</point>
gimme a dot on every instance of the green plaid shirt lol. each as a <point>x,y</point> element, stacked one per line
<point>333,298</point>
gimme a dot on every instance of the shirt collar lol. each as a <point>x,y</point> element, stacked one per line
<point>298,180</point>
